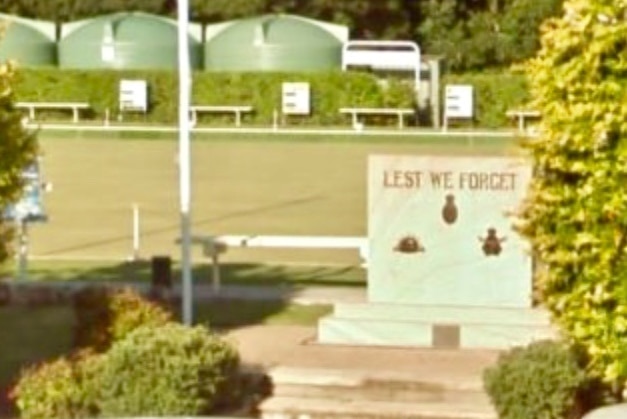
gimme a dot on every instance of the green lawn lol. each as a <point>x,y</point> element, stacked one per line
<point>29,335</point>
<point>241,184</point>
<point>226,313</point>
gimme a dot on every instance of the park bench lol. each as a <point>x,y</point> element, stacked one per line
<point>398,112</point>
<point>213,246</point>
<point>237,110</point>
<point>75,107</point>
<point>522,115</point>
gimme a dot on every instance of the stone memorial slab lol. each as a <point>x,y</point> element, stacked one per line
<point>445,267</point>
<point>439,231</point>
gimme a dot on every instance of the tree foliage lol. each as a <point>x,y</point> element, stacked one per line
<point>18,148</point>
<point>575,212</point>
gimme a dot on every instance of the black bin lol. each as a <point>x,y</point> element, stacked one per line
<point>161,272</point>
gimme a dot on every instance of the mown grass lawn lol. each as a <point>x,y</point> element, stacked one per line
<point>241,184</point>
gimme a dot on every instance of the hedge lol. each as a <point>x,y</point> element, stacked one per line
<point>330,91</point>
<point>495,93</point>
<point>168,370</point>
<point>541,380</point>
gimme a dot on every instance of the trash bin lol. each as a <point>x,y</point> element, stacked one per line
<point>161,272</point>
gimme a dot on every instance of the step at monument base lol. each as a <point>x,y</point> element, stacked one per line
<point>434,326</point>
<point>350,394</point>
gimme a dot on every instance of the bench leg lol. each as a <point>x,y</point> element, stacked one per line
<point>521,123</point>
<point>75,115</point>
<point>355,121</point>
<point>400,121</point>
<point>238,119</point>
<point>31,113</point>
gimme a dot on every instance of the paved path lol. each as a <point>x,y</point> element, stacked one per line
<point>295,346</point>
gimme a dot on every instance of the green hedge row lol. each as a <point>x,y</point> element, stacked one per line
<point>495,93</point>
<point>329,90</point>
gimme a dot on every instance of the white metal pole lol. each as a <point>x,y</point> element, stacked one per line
<point>184,158</point>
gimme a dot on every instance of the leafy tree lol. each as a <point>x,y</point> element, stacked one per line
<point>67,10</point>
<point>575,211</point>
<point>18,148</point>
<point>223,10</point>
<point>519,27</point>
<point>382,19</point>
<point>477,35</point>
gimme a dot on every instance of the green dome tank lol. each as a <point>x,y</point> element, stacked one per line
<point>28,42</point>
<point>126,41</point>
<point>274,43</point>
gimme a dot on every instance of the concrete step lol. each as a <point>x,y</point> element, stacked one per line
<point>393,332</point>
<point>375,386</point>
<point>322,408</point>
<point>478,315</point>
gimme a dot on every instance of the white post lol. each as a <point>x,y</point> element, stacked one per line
<point>135,232</point>
<point>185,82</point>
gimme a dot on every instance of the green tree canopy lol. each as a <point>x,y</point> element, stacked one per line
<point>576,211</point>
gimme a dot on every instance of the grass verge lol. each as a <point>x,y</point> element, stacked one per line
<point>231,273</point>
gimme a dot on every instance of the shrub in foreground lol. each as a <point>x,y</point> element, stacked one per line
<point>540,381</point>
<point>104,315</point>
<point>57,389</point>
<point>167,370</point>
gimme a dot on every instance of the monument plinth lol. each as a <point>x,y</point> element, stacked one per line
<point>445,267</point>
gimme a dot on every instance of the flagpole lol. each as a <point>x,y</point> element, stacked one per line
<point>184,75</point>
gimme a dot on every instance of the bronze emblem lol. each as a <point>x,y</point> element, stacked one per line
<point>492,243</point>
<point>449,211</point>
<point>409,244</point>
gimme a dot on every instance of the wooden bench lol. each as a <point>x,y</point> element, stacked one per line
<point>398,112</point>
<point>522,115</point>
<point>213,246</point>
<point>32,106</point>
<point>237,110</point>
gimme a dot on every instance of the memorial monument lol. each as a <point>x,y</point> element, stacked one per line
<point>445,268</point>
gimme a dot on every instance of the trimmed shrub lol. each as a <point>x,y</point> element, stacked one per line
<point>541,381</point>
<point>104,315</point>
<point>167,370</point>
<point>57,389</point>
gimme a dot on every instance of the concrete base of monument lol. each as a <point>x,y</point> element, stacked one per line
<point>444,327</point>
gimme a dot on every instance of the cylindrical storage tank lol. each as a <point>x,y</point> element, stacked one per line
<point>28,42</point>
<point>126,41</point>
<point>274,43</point>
